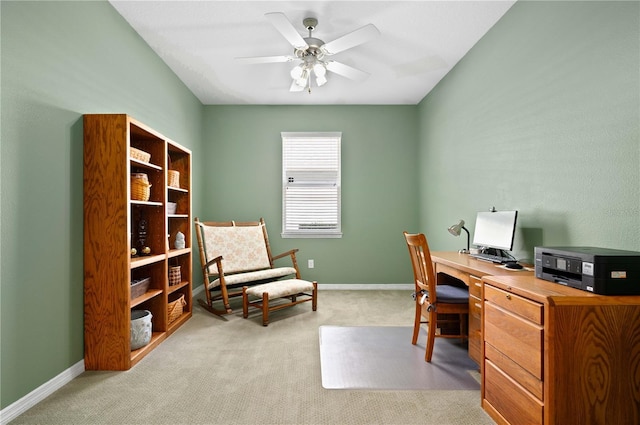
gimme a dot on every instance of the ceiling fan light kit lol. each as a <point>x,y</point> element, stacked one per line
<point>302,72</point>
<point>311,52</point>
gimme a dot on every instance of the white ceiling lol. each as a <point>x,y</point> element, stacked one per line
<point>420,42</point>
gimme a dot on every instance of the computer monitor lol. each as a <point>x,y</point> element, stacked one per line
<point>495,229</point>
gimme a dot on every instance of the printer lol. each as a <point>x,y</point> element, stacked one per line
<point>599,270</point>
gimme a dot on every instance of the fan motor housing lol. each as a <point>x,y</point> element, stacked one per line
<point>314,43</point>
<point>313,49</point>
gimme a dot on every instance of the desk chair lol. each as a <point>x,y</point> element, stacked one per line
<point>432,299</point>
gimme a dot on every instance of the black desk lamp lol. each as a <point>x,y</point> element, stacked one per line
<point>455,231</point>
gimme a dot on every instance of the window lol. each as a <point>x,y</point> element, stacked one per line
<point>311,185</point>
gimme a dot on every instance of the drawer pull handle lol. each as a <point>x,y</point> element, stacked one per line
<point>478,306</point>
<point>479,285</point>
<point>508,296</point>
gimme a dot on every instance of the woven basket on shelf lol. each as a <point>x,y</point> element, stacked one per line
<point>173,178</point>
<point>174,308</point>
<point>139,154</point>
<point>175,276</point>
<point>140,187</point>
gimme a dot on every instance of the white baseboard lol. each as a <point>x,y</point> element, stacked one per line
<point>17,408</point>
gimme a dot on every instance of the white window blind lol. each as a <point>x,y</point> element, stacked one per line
<point>311,184</point>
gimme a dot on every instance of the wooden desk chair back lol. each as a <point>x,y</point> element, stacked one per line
<point>433,299</point>
<point>236,254</point>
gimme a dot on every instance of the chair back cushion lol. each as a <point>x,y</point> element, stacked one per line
<point>242,248</point>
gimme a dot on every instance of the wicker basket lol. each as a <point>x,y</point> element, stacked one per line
<point>140,187</point>
<point>139,154</point>
<point>173,178</point>
<point>174,308</point>
<point>175,277</point>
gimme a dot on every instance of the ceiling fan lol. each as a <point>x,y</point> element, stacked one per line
<point>311,53</point>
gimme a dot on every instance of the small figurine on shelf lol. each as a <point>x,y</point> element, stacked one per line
<point>142,237</point>
<point>180,242</point>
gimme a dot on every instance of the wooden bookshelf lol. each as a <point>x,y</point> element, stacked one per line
<point>111,223</point>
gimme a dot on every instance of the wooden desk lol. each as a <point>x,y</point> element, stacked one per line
<point>470,271</point>
<point>556,355</point>
<point>549,354</point>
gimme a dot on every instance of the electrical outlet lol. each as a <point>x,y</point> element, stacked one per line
<point>311,264</point>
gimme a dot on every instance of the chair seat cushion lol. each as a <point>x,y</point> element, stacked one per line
<point>452,294</point>
<point>254,276</point>
<point>281,288</point>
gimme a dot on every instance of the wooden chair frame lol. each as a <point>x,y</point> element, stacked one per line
<point>216,284</point>
<point>426,295</point>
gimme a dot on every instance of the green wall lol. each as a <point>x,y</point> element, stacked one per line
<point>243,181</point>
<point>61,60</point>
<point>541,116</point>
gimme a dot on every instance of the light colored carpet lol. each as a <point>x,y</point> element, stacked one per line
<point>383,358</point>
<point>235,371</point>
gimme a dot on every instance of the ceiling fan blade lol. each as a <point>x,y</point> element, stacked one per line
<point>284,26</point>
<point>266,59</point>
<point>354,38</point>
<point>347,71</point>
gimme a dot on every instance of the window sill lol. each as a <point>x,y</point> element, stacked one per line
<point>311,235</point>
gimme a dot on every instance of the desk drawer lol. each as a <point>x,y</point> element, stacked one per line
<point>475,308</point>
<point>475,323</point>
<point>513,402</point>
<point>515,304</point>
<point>475,341</point>
<point>475,286</point>
<point>514,370</point>
<point>517,338</point>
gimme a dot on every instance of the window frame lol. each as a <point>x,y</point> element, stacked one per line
<point>310,232</point>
